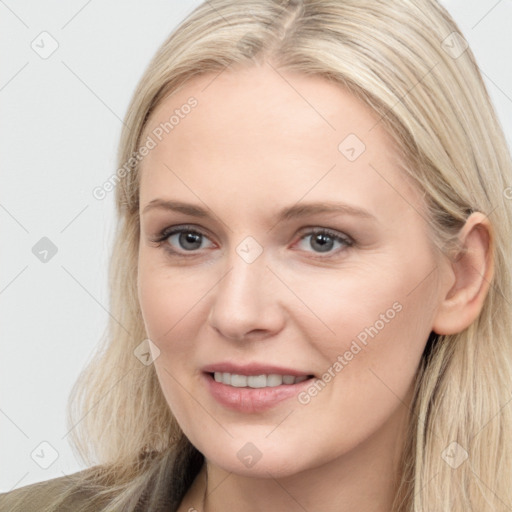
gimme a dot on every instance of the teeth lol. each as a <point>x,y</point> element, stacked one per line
<point>238,381</point>
<point>256,381</point>
<point>274,380</point>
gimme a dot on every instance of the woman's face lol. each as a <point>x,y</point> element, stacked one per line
<point>298,248</point>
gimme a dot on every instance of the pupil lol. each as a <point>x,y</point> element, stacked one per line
<point>193,238</point>
<point>324,240</point>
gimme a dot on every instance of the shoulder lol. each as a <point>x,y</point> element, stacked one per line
<point>157,482</point>
<point>40,496</point>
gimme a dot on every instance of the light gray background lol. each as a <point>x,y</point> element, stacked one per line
<point>60,124</point>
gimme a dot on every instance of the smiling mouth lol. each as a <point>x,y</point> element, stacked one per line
<point>257,381</point>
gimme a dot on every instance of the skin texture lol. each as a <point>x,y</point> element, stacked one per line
<point>256,142</point>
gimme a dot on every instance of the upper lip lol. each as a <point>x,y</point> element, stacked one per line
<point>252,369</point>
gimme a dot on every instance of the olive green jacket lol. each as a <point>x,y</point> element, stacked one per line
<point>170,475</point>
<point>38,496</point>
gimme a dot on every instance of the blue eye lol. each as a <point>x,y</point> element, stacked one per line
<point>182,240</point>
<point>188,240</point>
<point>323,240</point>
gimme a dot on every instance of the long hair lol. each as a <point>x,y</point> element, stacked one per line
<point>408,61</point>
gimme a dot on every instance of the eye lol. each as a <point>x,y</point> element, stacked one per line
<point>180,240</point>
<point>323,240</point>
<point>185,239</point>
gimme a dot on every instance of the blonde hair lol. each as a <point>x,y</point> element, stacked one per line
<point>406,60</point>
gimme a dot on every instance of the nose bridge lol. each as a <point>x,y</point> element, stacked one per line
<point>244,299</point>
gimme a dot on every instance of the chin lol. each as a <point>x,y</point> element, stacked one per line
<point>258,461</point>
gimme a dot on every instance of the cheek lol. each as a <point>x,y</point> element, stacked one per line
<point>167,309</point>
<point>369,367</point>
<point>373,330</point>
<point>165,300</point>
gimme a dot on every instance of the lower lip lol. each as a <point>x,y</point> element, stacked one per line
<point>252,400</point>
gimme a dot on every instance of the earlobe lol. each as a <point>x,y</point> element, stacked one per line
<point>473,269</point>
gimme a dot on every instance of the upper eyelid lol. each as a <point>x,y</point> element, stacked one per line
<point>172,230</point>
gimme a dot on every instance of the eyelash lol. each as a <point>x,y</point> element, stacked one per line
<point>166,233</point>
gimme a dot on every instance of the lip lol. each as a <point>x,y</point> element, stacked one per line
<point>251,400</point>
<point>252,369</point>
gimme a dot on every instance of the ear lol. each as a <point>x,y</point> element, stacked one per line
<point>471,273</point>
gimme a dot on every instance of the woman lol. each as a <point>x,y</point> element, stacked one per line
<point>310,281</point>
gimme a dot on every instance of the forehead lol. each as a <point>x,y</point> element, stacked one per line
<point>261,134</point>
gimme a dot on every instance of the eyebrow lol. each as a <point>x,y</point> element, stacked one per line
<point>288,213</point>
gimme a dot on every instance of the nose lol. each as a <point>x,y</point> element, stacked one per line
<point>246,302</point>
